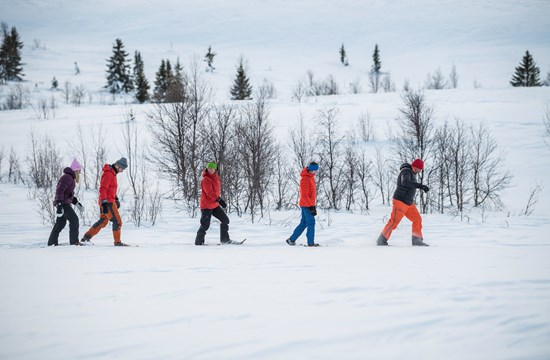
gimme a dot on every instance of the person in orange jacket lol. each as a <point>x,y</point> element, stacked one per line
<point>308,204</point>
<point>403,204</point>
<point>211,205</point>
<point>108,203</point>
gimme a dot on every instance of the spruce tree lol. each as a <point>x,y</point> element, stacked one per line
<point>376,64</point>
<point>55,83</point>
<point>209,58</point>
<point>343,57</point>
<point>375,74</point>
<point>10,57</point>
<point>141,83</point>
<point>241,89</point>
<point>176,83</point>
<point>161,84</point>
<point>118,70</point>
<point>163,78</point>
<point>527,73</point>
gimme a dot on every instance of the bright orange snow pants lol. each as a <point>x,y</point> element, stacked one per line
<point>113,216</point>
<point>400,209</point>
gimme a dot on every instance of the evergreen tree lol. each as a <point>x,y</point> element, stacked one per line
<point>343,57</point>
<point>527,73</point>
<point>118,70</point>
<point>141,83</point>
<point>175,83</point>
<point>161,83</point>
<point>376,64</point>
<point>241,89</point>
<point>209,58</point>
<point>55,83</point>
<point>163,79</point>
<point>10,57</point>
<point>375,74</point>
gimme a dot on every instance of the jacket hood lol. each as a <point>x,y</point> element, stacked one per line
<point>108,167</point>
<point>69,171</point>
<point>405,166</point>
<point>305,172</point>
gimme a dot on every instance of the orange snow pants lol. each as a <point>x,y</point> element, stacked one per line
<point>113,216</point>
<point>400,209</point>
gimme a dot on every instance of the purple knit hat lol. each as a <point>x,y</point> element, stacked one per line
<point>75,165</point>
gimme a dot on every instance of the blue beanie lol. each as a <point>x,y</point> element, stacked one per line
<point>313,166</point>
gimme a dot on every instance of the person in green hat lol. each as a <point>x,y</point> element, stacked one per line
<point>211,204</point>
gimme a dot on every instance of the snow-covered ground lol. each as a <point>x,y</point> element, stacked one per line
<point>480,291</point>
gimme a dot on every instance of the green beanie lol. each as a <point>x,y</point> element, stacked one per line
<point>212,165</point>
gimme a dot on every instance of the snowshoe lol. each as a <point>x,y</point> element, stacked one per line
<point>232,242</point>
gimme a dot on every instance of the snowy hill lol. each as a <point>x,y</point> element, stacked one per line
<point>480,291</point>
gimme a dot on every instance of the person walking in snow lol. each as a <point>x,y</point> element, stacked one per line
<point>211,204</point>
<point>308,204</point>
<point>108,203</point>
<point>402,204</point>
<point>64,197</point>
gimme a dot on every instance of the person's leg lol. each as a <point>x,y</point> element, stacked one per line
<point>414,216</point>
<point>206,216</point>
<point>310,223</point>
<point>301,226</point>
<point>398,210</point>
<point>58,226</point>
<point>117,222</point>
<point>100,224</point>
<point>73,224</point>
<point>220,214</point>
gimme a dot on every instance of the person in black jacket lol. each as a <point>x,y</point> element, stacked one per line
<point>402,204</point>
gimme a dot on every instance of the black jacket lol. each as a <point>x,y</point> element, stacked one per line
<point>406,185</point>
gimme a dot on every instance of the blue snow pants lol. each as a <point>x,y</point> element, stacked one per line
<point>308,221</point>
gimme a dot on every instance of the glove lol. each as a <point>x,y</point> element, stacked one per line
<point>425,188</point>
<point>313,210</point>
<point>79,207</point>
<point>223,204</point>
<point>75,200</point>
<point>104,207</point>
<point>117,202</point>
<point>59,211</point>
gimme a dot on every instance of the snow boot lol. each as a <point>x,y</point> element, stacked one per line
<point>382,241</point>
<point>199,240</point>
<point>85,241</point>
<point>119,243</point>
<point>418,241</point>
<point>313,245</point>
<point>290,242</point>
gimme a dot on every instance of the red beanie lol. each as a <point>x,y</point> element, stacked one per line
<point>419,164</point>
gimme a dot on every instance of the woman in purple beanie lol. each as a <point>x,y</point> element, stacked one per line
<point>64,197</point>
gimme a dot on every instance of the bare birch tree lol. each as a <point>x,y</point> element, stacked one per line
<point>416,138</point>
<point>331,154</point>
<point>257,145</point>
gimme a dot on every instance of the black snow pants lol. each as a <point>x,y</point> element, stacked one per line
<point>206,217</point>
<point>68,215</point>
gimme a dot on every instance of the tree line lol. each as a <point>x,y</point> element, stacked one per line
<point>123,76</point>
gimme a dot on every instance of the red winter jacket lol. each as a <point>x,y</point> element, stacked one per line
<point>308,190</point>
<point>211,189</point>
<point>108,184</point>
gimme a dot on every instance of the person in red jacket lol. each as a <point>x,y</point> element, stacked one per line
<point>108,203</point>
<point>211,205</point>
<point>308,201</point>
